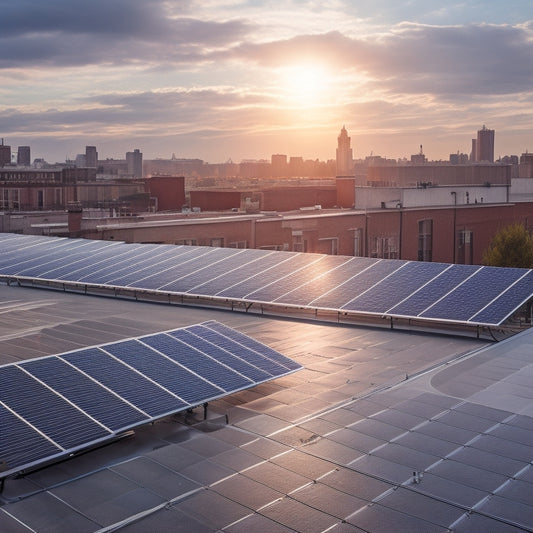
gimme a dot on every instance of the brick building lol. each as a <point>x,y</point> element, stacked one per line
<point>448,233</point>
<point>281,198</point>
<point>169,192</point>
<point>439,174</point>
<point>23,189</point>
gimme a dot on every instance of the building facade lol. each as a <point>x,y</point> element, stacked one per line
<point>410,175</point>
<point>5,154</point>
<point>24,189</point>
<point>134,160</point>
<point>91,157</point>
<point>279,165</point>
<point>24,156</point>
<point>485,145</point>
<point>448,234</point>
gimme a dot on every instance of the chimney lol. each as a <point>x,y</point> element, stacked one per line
<point>75,214</point>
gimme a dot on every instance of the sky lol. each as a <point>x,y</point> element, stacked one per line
<point>226,80</point>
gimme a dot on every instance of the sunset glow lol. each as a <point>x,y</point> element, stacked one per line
<point>306,85</point>
<point>218,80</point>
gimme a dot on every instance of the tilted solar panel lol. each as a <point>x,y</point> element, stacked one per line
<point>340,297</point>
<point>269,277</point>
<point>462,294</point>
<point>54,406</point>
<point>474,293</point>
<point>400,284</point>
<point>508,300</point>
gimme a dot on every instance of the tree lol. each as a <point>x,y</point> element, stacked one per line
<point>512,246</point>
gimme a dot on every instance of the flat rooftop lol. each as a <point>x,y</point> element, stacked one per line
<point>382,430</point>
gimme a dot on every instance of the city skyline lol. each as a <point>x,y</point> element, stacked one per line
<point>244,80</point>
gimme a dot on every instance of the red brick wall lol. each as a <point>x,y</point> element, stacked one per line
<point>215,200</point>
<point>292,198</point>
<point>169,191</point>
<point>346,192</point>
<point>318,230</point>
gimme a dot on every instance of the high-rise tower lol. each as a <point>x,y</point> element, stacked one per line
<point>344,154</point>
<point>24,156</point>
<point>485,145</point>
<point>134,161</point>
<point>5,154</point>
<point>91,156</point>
<point>279,165</point>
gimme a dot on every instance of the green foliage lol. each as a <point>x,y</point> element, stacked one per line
<point>512,246</point>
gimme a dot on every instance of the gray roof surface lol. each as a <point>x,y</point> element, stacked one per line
<point>332,447</point>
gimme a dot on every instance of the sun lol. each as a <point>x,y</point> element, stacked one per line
<point>306,85</point>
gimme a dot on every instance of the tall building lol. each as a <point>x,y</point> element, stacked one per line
<point>474,150</point>
<point>91,157</point>
<point>5,154</point>
<point>485,145</point>
<point>279,165</point>
<point>81,161</point>
<point>134,160</point>
<point>24,156</point>
<point>296,166</point>
<point>344,154</point>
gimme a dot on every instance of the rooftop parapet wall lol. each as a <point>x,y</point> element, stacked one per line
<point>391,197</point>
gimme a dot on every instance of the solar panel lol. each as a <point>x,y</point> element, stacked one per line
<point>56,405</point>
<point>341,296</point>
<point>474,293</point>
<point>132,260</point>
<point>507,301</point>
<point>433,290</point>
<point>400,284</point>
<point>256,262</point>
<point>438,292</point>
<point>328,274</point>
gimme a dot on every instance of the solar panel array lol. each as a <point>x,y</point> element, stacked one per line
<point>56,405</point>
<point>470,294</point>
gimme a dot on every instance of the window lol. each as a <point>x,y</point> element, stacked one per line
<point>187,242</point>
<point>278,247</point>
<point>425,240</point>
<point>15,199</point>
<point>298,242</point>
<point>237,244</point>
<point>384,247</point>
<point>357,243</point>
<point>465,251</point>
<point>9,199</point>
<point>4,199</point>
<point>328,246</point>
<point>217,242</point>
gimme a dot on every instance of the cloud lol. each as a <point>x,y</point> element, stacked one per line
<point>74,32</point>
<point>158,110</point>
<point>121,69</point>
<point>413,58</point>
<point>98,17</point>
<point>408,58</point>
<point>474,59</point>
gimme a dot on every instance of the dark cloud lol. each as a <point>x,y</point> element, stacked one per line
<point>449,61</point>
<point>76,32</point>
<point>97,17</point>
<point>475,59</point>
